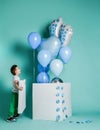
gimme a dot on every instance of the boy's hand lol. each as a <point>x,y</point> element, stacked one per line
<point>21,88</point>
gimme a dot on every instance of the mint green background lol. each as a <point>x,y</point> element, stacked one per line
<point>20,17</point>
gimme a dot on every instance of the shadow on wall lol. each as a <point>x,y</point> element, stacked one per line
<point>24,55</point>
<point>45,31</point>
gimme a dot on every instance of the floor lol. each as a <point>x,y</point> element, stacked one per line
<point>76,122</point>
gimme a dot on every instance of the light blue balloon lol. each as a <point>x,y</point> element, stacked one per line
<point>65,54</point>
<point>52,44</point>
<point>43,41</point>
<point>43,77</point>
<point>44,57</point>
<point>56,67</point>
<point>34,39</point>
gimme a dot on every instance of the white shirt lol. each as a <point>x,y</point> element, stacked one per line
<point>14,89</point>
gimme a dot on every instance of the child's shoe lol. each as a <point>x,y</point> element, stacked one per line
<point>11,119</point>
<point>17,115</point>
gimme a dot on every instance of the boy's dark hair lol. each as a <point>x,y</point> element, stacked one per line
<point>12,69</point>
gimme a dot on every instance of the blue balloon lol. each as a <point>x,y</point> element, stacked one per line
<point>34,39</point>
<point>43,69</point>
<point>65,54</point>
<point>43,77</point>
<point>44,57</point>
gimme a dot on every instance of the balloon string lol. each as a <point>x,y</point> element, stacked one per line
<point>34,69</point>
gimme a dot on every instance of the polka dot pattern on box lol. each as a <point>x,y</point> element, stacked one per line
<point>61,109</point>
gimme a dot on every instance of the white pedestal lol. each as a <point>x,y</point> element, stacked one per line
<point>51,101</point>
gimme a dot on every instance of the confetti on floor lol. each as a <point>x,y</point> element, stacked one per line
<point>81,122</point>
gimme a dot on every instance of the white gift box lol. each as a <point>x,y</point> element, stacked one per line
<point>22,97</point>
<point>51,101</point>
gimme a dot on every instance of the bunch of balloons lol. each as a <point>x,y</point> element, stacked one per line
<point>54,51</point>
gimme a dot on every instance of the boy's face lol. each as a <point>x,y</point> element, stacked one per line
<point>17,71</point>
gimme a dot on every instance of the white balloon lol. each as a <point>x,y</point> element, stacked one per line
<point>52,44</point>
<point>56,67</point>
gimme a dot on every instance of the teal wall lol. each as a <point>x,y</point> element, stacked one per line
<point>20,17</point>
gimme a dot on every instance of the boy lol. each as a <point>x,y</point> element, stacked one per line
<point>13,110</point>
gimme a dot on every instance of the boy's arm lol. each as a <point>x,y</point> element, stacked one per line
<point>16,83</point>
